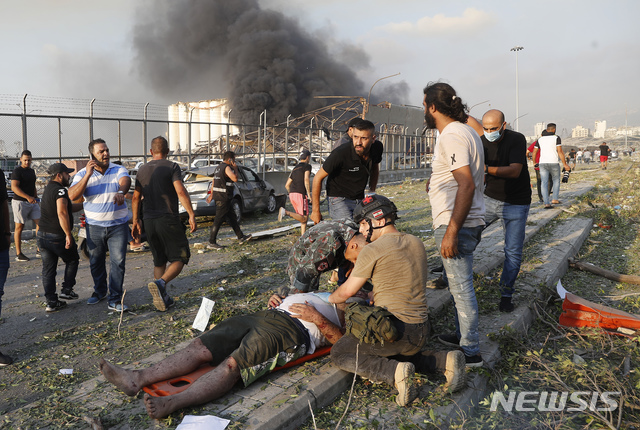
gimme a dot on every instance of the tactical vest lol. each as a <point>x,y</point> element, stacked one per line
<point>222,188</point>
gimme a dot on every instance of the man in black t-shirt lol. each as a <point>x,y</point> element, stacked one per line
<point>160,183</point>
<point>55,238</point>
<point>25,200</point>
<point>299,191</point>
<point>348,169</point>
<point>507,194</point>
<point>5,242</point>
<point>604,155</point>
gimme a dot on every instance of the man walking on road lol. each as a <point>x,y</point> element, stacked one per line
<point>159,182</point>
<point>455,192</point>
<point>104,185</point>
<point>604,155</point>
<point>550,148</point>
<point>25,201</point>
<point>55,237</point>
<point>222,191</point>
<point>507,195</point>
<point>299,190</point>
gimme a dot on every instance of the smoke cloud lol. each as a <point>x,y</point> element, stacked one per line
<point>259,59</point>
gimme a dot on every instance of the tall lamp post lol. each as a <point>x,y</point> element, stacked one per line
<point>369,97</point>
<point>516,49</point>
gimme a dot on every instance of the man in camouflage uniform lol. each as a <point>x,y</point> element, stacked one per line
<point>325,246</point>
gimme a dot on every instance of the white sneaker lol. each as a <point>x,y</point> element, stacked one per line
<point>281,213</point>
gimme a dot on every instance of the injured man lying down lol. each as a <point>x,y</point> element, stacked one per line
<point>243,346</point>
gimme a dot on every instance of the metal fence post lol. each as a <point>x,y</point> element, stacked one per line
<point>24,122</point>
<point>91,120</point>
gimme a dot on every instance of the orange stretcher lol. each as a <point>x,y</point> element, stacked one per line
<point>579,312</point>
<point>181,383</point>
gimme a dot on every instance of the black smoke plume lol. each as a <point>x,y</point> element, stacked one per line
<point>259,59</point>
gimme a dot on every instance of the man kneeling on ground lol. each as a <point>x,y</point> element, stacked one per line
<point>243,346</point>
<point>396,263</point>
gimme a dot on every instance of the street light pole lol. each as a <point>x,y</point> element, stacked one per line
<point>516,49</point>
<point>366,110</point>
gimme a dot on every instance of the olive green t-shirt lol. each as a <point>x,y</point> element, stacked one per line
<point>396,263</point>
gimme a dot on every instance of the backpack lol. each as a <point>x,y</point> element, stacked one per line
<point>370,324</point>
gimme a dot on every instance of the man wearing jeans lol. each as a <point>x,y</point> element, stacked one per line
<point>455,192</point>
<point>5,242</point>
<point>104,185</point>
<point>55,237</point>
<point>348,169</point>
<point>507,194</point>
<point>550,148</point>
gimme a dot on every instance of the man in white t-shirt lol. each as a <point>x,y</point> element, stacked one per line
<point>550,147</point>
<point>456,193</point>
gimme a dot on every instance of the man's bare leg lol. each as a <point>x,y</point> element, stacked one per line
<point>168,273</point>
<point>208,387</point>
<point>181,363</point>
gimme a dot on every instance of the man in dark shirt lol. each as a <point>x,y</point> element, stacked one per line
<point>25,200</point>
<point>5,241</point>
<point>55,237</point>
<point>221,191</point>
<point>347,137</point>
<point>160,183</point>
<point>299,191</point>
<point>507,194</point>
<point>604,155</point>
<point>348,169</point>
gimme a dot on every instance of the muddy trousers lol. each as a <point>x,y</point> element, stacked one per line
<point>378,362</point>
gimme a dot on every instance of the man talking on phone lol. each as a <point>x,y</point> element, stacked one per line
<point>221,191</point>
<point>103,185</point>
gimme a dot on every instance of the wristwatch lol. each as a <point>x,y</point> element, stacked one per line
<point>120,192</point>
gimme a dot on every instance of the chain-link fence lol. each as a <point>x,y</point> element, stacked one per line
<point>57,129</point>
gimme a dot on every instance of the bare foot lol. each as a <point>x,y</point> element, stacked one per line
<point>122,378</point>
<point>158,407</point>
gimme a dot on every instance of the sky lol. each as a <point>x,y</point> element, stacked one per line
<point>580,61</point>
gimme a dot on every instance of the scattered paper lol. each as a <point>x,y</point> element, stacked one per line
<point>202,318</point>
<point>206,422</point>
<point>66,371</point>
<point>560,289</point>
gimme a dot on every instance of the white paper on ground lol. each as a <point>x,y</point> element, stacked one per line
<point>206,422</point>
<point>560,289</point>
<point>202,319</point>
<point>66,371</point>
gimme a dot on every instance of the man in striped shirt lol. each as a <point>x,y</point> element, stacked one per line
<point>104,186</point>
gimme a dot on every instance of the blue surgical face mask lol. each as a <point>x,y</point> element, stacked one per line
<point>493,136</point>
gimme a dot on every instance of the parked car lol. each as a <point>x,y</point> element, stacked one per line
<point>204,162</point>
<point>250,192</point>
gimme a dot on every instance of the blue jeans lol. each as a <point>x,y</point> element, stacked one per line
<point>458,272</point>
<point>100,240</point>
<point>4,269</point>
<point>52,247</point>
<point>341,207</point>
<point>514,223</point>
<point>553,170</point>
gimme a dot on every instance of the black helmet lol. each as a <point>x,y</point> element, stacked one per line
<point>374,206</point>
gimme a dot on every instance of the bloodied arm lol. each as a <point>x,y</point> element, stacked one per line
<point>307,312</point>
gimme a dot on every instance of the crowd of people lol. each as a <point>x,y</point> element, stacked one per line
<point>479,175</point>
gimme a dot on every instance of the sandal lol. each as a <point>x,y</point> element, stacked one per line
<point>548,207</point>
<point>555,202</point>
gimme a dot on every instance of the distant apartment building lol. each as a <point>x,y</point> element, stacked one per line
<point>538,128</point>
<point>610,132</point>
<point>599,130</point>
<point>580,131</point>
